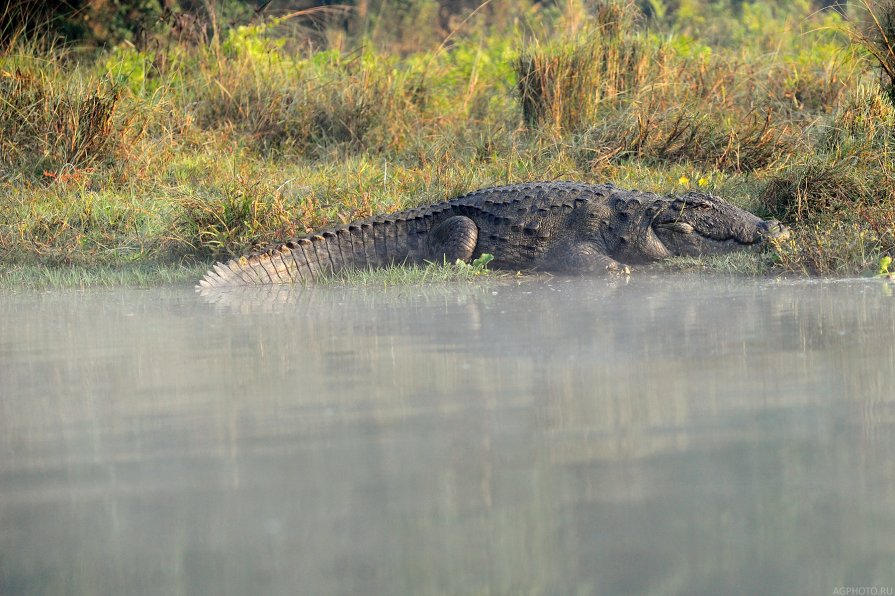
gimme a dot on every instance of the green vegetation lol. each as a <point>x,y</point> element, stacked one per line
<point>43,277</point>
<point>196,138</point>
<point>884,269</point>
<point>478,266</point>
<point>738,263</point>
<point>415,274</point>
<point>429,273</point>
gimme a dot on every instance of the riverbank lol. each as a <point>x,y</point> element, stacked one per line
<point>144,162</point>
<point>145,275</point>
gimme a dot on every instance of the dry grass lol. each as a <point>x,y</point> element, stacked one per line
<point>56,128</point>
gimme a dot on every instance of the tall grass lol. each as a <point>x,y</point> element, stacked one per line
<point>840,195</point>
<point>566,84</point>
<point>629,94</point>
<point>874,31</point>
<point>52,123</point>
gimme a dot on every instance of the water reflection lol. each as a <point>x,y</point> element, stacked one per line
<point>571,436</point>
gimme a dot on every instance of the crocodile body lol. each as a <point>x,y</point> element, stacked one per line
<point>550,226</point>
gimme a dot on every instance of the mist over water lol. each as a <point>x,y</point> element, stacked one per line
<point>669,435</point>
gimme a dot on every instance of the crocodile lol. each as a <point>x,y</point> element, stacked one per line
<point>560,227</point>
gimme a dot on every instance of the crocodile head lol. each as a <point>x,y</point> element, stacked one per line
<point>698,224</point>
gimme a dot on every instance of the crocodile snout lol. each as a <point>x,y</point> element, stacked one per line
<point>773,230</point>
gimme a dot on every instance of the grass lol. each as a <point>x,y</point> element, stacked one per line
<point>121,161</point>
<point>47,277</point>
<point>401,275</point>
<point>740,263</point>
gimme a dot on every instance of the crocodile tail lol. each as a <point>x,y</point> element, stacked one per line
<point>302,260</point>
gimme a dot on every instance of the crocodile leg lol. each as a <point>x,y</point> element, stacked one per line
<point>454,238</point>
<point>582,257</point>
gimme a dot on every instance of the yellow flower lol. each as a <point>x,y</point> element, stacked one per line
<point>703,182</point>
<point>684,180</point>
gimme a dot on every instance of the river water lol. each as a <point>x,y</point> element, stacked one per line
<point>668,435</point>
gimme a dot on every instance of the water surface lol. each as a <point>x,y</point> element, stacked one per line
<point>669,435</point>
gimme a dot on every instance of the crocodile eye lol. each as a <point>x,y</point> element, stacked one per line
<point>697,203</point>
